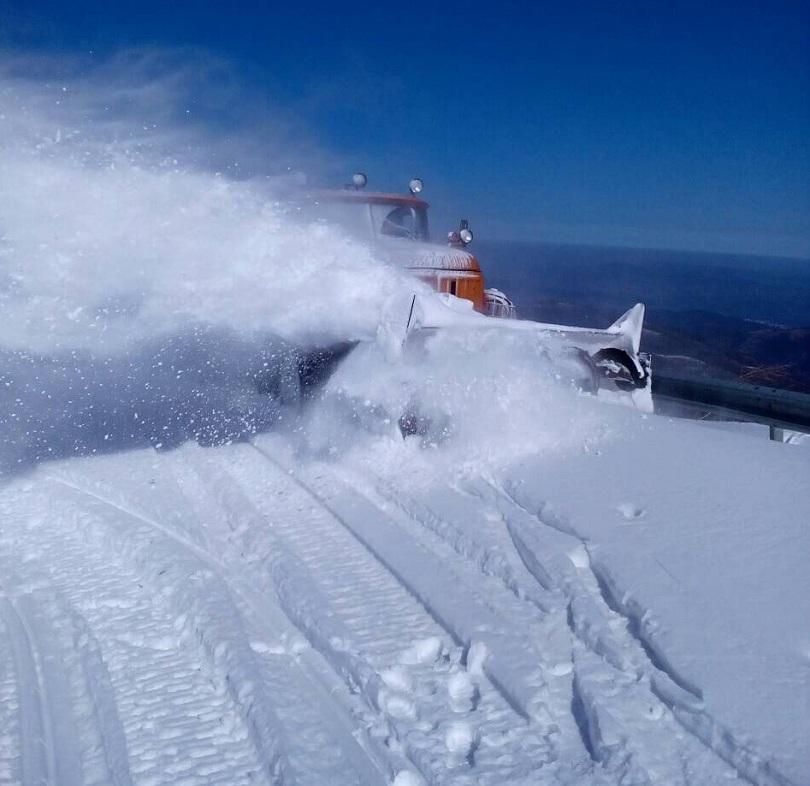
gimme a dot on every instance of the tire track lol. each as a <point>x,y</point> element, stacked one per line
<point>383,615</point>
<point>158,686</point>
<point>490,555</point>
<point>537,612</point>
<point>251,546</point>
<point>9,712</point>
<point>38,759</point>
<point>109,754</point>
<point>74,716</point>
<point>558,576</point>
<point>459,610</point>
<point>271,668</point>
<point>48,732</point>
<point>617,631</point>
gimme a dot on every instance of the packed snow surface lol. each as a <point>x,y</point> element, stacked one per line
<point>536,587</point>
<point>628,610</point>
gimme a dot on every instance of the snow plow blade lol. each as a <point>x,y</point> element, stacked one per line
<point>611,355</point>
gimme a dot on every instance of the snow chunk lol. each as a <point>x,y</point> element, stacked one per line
<point>397,678</point>
<point>631,511</point>
<point>477,655</point>
<point>265,648</point>
<point>397,705</point>
<point>460,739</point>
<point>408,778</point>
<point>462,691</point>
<point>561,668</point>
<point>579,557</point>
<point>422,652</point>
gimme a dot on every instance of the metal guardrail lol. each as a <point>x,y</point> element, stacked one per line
<point>779,409</point>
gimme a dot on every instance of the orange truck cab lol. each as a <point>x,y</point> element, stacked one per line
<point>398,226</point>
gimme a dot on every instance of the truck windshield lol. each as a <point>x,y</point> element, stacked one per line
<point>354,217</point>
<point>400,221</point>
<point>370,219</point>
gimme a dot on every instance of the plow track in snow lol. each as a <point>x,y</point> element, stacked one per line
<point>424,692</point>
<point>119,712</point>
<point>46,734</point>
<point>621,634</point>
<point>63,706</point>
<point>612,625</point>
<point>634,714</point>
<point>249,649</point>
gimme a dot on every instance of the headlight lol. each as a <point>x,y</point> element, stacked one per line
<point>359,180</point>
<point>465,235</point>
<point>416,185</point>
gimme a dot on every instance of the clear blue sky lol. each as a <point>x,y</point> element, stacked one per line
<point>681,125</point>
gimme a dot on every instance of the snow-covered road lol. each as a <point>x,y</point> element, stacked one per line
<point>243,615</point>
<point>539,587</point>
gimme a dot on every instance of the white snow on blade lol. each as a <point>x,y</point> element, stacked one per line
<point>486,395</point>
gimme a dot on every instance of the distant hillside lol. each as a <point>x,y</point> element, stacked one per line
<point>700,343</point>
<point>744,318</point>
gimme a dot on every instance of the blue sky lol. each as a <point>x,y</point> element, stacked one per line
<point>680,125</point>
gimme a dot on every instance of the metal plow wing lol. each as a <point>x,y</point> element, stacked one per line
<point>610,357</point>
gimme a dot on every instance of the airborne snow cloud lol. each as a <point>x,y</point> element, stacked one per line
<point>119,225</point>
<point>129,231</point>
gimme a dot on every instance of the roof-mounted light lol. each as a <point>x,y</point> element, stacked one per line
<point>359,180</point>
<point>465,236</point>
<point>416,185</point>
